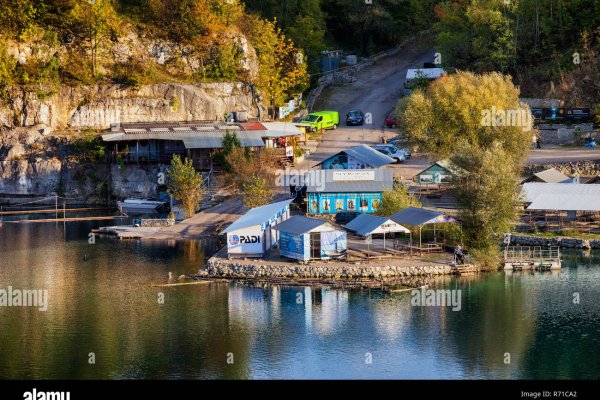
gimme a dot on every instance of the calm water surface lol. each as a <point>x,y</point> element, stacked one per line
<point>107,306</point>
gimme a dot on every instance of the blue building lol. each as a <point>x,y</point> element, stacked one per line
<point>357,157</point>
<point>333,191</point>
<point>302,238</point>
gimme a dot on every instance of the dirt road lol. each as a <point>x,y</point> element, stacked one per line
<point>562,155</point>
<point>376,91</point>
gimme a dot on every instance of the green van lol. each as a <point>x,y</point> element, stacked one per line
<point>322,120</point>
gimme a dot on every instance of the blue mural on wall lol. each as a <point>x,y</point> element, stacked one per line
<point>331,203</point>
<point>339,161</point>
<point>292,246</point>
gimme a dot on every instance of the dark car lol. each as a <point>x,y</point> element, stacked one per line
<point>355,117</point>
<point>342,218</point>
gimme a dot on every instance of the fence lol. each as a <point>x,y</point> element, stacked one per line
<point>528,253</point>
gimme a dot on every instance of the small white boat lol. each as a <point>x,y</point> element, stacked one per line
<point>142,206</point>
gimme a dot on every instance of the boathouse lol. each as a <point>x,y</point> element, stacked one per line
<point>302,238</point>
<point>357,157</point>
<point>253,234</point>
<point>333,191</point>
<point>158,142</point>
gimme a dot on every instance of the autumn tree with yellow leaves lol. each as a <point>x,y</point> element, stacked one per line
<point>282,66</point>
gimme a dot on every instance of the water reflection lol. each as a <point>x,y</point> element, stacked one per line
<point>107,306</point>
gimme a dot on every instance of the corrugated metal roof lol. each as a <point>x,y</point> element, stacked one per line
<point>191,139</point>
<point>258,215</point>
<point>419,216</point>
<point>214,140</point>
<point>552,175</point>
<point>366,224</point>
<point>558,196</point>
<point>322,181</point>
<point>367,155</point>
<point>299,225</point>
<point>566,202</point>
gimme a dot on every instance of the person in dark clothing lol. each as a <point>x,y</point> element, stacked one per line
<point>459,255</point>
<point>538,142</point>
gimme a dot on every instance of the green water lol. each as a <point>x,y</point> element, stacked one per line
<point>523,325</point>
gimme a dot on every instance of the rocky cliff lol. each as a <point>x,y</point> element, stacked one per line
<point>100,106</point>
<point>36,126</point>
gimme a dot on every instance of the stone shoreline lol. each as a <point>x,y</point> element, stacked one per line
<point>336,273</point>
<point>565,242</point>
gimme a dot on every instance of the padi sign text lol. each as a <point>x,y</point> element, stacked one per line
<point>249,239</point>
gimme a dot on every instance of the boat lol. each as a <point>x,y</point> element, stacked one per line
<point>135,205</point>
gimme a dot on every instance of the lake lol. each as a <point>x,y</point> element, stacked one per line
<point>104,319</point>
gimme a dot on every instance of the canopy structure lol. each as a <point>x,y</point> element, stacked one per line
<point>419,217</point>
<point>366,224</point>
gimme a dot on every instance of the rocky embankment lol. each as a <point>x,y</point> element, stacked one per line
<point>240,269</point>
<point>565,242</point>
<point>585,168</point>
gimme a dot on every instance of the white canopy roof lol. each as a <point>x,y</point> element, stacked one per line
<point>558,196</point>
<point>366,224</point>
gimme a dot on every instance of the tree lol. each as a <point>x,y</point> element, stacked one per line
<point>282,69</point>
<point>96,22</point>
<point>256,192</point>
<point>252,174</point>
<point>396,200</point>
<point>185,184</point>
<point>479,123</point>
<point>476,34</point>
<point>17,16</point>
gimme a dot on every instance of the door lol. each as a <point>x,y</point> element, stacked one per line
<point>315,245</point>
<point>320,123</point>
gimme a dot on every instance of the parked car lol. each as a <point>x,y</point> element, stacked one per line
<point>393,148</point>
<point>355,117</point>
<point>342,218</point>
<point>391,151</point>
<point>322,120</point>
<point>398,144</point>
<point>390,121</point>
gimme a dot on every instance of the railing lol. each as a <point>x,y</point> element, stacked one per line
<point>528,253</point>
<point>207,179</point>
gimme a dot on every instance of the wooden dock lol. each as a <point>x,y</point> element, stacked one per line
<point>520,258</point>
